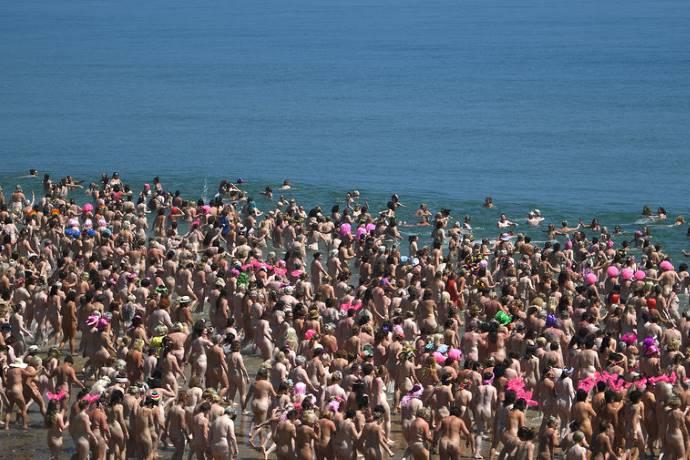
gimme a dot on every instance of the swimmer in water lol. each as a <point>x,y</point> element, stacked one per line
<point>565,230</point>
<point>488,202</point>
<point>504,222</point>
<point>423,214</point>
<point>286,185</point>
<point>395,203</point>
<point>534,218</point>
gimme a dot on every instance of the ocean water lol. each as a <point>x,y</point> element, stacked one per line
<point>581,109</point>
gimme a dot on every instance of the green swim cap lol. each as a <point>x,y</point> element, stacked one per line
<point>503,318</point>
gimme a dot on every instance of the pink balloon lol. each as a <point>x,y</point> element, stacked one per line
<point>438,357</point>
<point>666,265</point>
<point>88,207</point>
<point>627,273</point>
<point>590,279</point>
<point>640,275</point>
<point>612,271</point>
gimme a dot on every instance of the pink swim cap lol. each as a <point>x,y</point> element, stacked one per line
<point>438,357</point>
<point>454,354</point>
<point>627,273</point>
<point>345,229</point>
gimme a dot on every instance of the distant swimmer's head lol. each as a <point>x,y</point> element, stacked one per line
<point>33,172</point>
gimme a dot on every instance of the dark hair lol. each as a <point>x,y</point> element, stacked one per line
<point>520,405</point>
<point>116,397</point>
<point>635,396</point>
<point>525,433</point>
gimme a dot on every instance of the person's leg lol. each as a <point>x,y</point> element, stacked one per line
<point>82,448</point>
<point>21,405</point>
<point>179,444</point>
<point>220,454</point>
<point>8,413</point>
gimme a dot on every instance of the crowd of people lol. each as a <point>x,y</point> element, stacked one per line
<point>144,322</point>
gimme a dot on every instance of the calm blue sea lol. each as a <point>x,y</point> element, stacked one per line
<point>580,108</point>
